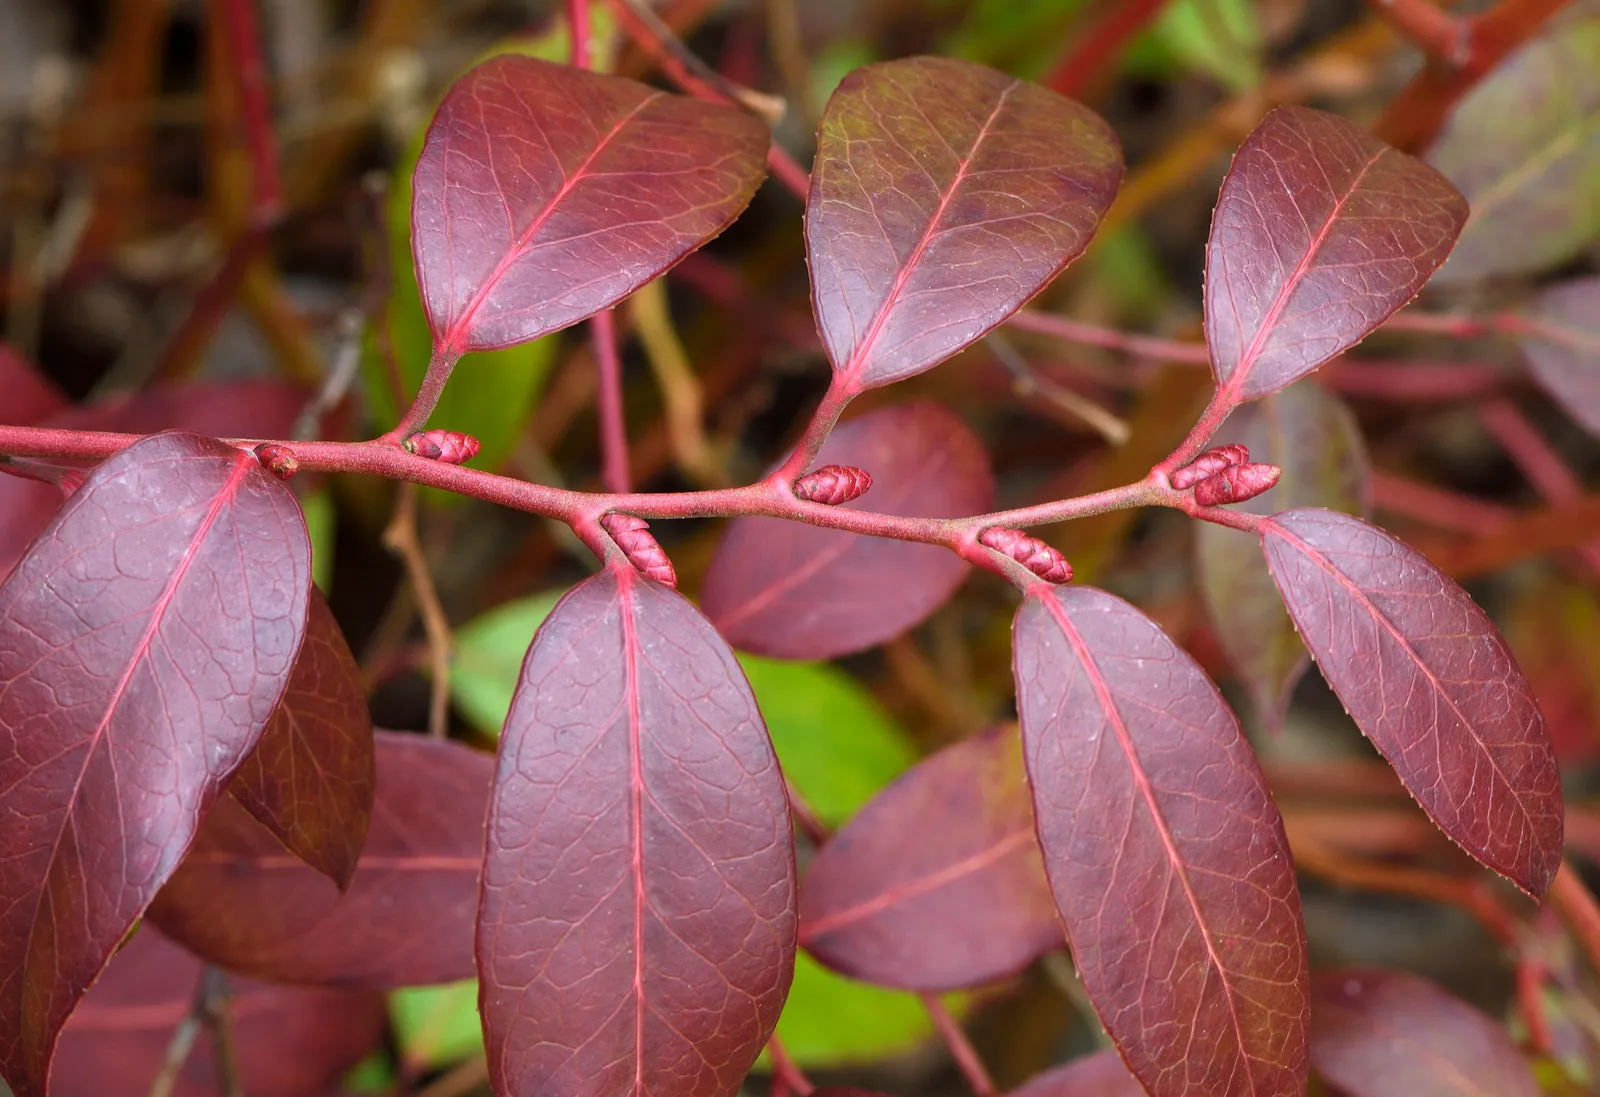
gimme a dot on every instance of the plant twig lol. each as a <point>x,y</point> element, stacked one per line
<point>1093,52</point>
<point>1577,907</point>
<point>961,1049</point>
<point>1446,38</point>
<point>1094,335</point>
<point>614,470</point>
<point>214,995</point>
<point>1438,507</point>
<point>1026,382</point>
<point>680,388</point>
<point>785,1072</point>
<point>401,538</point>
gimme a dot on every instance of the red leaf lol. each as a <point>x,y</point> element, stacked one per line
<point>1390,1034</point>
<point>220,410</point>
<point>1563,347</point>
<point>944,195</point>
<point>287,1042</point>
<point>406,920</point>
<point>310,779</point>
<point>1429,679</point>
<point>1102,1074</point>
<point>800,592</point>
<point>937,883</point>
<point>1165,850</point>
<point>545,194</point>
<point>1320,232</point>
<point>144,642</point>
<point>26,396</point>
<point>637,929</point>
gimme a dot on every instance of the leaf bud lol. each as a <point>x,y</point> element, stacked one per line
<point>833,484</point>
<point>449,446</point>
<point>1209,463</point>
<point>1045,562</point>
<point>1235,484</point>
<point>277,459</point>
<point>639,545</point>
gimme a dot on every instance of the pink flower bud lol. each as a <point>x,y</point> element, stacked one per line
<point>833,484</point>
<point>1235,484</point>
<point>449,446</point>
<point>1209,463</point>
<point>1032,553</point>
<point>277,459</point>
<point>634,538</point>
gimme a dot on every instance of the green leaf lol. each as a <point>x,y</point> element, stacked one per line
<point>374,1074</point>
<point>835,742</point>
<point>437,1026</point>
<point>489,651</point>
<point>1523,146</point>
<point>320,522</point>
<point>1220,38</point>
<point>833,1021</point>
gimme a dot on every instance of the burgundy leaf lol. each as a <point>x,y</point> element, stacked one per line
<point>26,396</point>
<point>260,409</point>
<point>1320,232</point>
<point>937,883</point>
<point>145,640</point>
<point>288,1042</point>
<point>406,919</point>
<point>546,193</point>
<point>309,781</point>
<point>1563,347</point>
<point>944,195</point>
<point>801,592</point>
<point>1102,1074</point>
<point>1165,851</point>
<point>1429,679</point>
<point>1312,437</point>
<point>637,928</point>
<point>1390,1034</point>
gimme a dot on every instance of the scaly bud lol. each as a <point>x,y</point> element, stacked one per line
<point>277,459</point>
<point>1209,463</point>
<point>639,545</point>
<point>449,446</point>
<point>1030,552</point>
<point>833,484</point>
<point>1235,484</point>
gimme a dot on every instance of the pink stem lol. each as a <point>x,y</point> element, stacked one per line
<point>427,398</point>
<point>1537,460</point>
<point>608,402</point>
<point>1093,335</point>
<point>1429,27</point>
<point>785,1072</point>
<point>1101,45</point>
<point>578,24</point>
<point>1437,507</point>
<point>961,1049</point>
<point>244,42</point>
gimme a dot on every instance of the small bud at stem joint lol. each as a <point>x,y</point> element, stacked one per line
<point>833,484</point>
<point>639,545</point>
<point>1235,484</point>
<point>1045,562</point>
<point>277,459</point>
<point>448,446</point>
<point>1209,463</point>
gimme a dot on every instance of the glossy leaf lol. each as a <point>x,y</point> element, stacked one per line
<point>800,592</point>
<point>289,1042</point>
<point>310,779</point>
<point>144,642</point>
<point>240,901</point>
<point>26,395</point>
<point>1102,1074</point>
<point>1429,679</point>
<point>1391,1034</point>
<point>938,883</point>
<point>545,194</point>
<point>835,742</point>
<point>637,925</point>
<point>230,409</point>
<point>1320,232</point>
<point>1523,146</point>
<point>1314,439</point>
<point>944,195</point>
<point>1165,851</point>
<point>1563,347</point>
